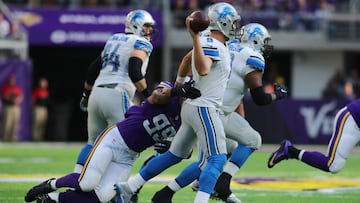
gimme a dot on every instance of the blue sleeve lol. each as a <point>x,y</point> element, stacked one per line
<point>143,45</point>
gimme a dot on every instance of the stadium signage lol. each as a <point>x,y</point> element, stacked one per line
<point>75,27</point>
<point>304,121</point>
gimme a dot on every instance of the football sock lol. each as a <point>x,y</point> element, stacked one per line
<point>136,182</point>
<point>71,196</point>
<point>54,196</point>
<point>211,172</point>
<point>241,154</point>
<point>188,175</point>
<point>158,164</point>
<point>174,186</point>
<point>294,152</point>
<point>315,159</point>
<point>201,197</point>
<point>231,168</point>
<point>70,180</point>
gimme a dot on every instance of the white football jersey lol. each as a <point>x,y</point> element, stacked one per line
<point>115,58</point>
<point>212,85</point>
<point>243,61</point>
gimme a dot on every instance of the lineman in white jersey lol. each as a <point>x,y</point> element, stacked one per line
<point>124,62</point>
<point>248,65</point>
<point>209,62</point>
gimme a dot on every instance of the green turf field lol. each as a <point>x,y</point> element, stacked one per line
<point>24,165</point>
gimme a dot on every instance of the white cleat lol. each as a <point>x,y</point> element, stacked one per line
<point>123,192</point>
<point>195,185</point>
<point>232,199</point>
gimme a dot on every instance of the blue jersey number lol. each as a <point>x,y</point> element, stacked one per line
<point>112,56</point>
<point>160,128</point>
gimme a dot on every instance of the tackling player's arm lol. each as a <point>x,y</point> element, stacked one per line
<point>91,75</point>
<point>136,60</point>
<point>240,109</point>
<point>163,95</point>
<point>184,69</point>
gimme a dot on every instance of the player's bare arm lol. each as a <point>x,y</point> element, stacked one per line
<point>254,82</point>
<point>240,109</point>
<point>201,62</point>
<point>184,69</point>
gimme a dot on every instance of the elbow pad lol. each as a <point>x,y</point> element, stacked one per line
<point>135,69</point>
<point>93,70</point>
<point>260,97</point>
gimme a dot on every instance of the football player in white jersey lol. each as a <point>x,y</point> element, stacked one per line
<point>247,68</point>
<point>123,63</point>
<point>209,62</point>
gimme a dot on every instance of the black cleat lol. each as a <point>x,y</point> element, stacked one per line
<point>222,188</point>
<point>134,198</point>
<point>280,154</point>
<point>44,198</point>
<point>163,196</point>
<point>42,188</point>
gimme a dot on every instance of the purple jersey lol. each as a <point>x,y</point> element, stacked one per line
<point>146,124</point>
<point>354,109</point>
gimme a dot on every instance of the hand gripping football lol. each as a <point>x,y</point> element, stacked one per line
<point>200,21</point>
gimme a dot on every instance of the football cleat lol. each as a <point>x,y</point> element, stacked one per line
<point>162,196</point>
<point>232,199</point>
<point>195,185</point>
<point>123,192</point>
<point>280,154</point>
<point>42,188</point>
<point>134,198</point>
<point>44,198</point>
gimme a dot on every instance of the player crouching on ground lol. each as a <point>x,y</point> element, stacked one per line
<point>117,147</point>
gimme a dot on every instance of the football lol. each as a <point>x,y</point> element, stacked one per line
<point>200,21</point>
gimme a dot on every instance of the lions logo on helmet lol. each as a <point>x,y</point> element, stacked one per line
<point>135,22</point>
<point>224,17</point>
<point>258,37</point>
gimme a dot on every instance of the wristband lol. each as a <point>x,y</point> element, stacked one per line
<point>180,79</point>
<point>146,92</point>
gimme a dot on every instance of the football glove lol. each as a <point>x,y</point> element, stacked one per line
<point>280,91</point>
<point>84,100</point>
<point>162,146</point>
<point>187,90</point>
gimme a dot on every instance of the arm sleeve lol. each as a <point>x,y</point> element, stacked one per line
<point>93,71</point>
<point>135,69</point>
<point>260,97</point>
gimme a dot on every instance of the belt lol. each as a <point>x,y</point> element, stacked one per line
<point>111,85</point>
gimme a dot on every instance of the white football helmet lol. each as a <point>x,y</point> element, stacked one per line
<point>257,36</point>
<point>136,20</point>
<point>224,17</point>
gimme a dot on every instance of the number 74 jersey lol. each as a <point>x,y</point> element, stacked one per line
<point>146,124</point>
